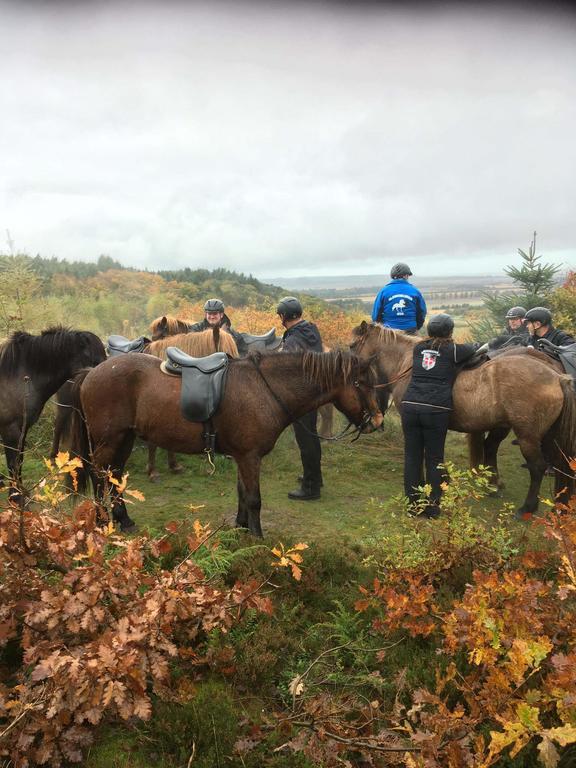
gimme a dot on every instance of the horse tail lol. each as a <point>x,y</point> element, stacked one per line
<point>561,438</point>
<point>79,438</point>
<point>475,442</point>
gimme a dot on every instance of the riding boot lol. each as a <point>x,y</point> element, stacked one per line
<point>308,491</point>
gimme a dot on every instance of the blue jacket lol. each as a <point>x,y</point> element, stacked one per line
<point>399,305</point>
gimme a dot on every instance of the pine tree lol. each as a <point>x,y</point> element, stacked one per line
<point>534,283</point>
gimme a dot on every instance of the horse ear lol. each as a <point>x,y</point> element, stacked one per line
<point>363,327</point>
<point>164,322</point>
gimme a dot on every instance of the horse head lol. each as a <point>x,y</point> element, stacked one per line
<point>357,399</point>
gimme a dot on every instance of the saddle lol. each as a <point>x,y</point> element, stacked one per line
<point>566,355</point>
<point>203,382</point>
<point>119,345</point>
<point>268,342</point>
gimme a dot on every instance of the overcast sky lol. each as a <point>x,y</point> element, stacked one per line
<point>289,138</point>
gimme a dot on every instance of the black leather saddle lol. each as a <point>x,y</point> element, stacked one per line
<point>119,345</point>
<point>566,355</point>
<point>203,382</point>
<point>268,342</point>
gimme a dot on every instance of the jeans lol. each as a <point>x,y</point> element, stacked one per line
<point>424,440</point>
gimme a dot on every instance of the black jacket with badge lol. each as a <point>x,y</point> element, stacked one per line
<point>226,325</point>
<point>302,337</point>
<point>554,336</point>
<point>433,373</point>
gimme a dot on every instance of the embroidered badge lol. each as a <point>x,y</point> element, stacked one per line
<point>429,359</point>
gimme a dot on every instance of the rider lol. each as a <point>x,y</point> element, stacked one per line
<point>538,321</point>
<point>399,304</point>
<point>301,335</point>
<point>427,407</point>
<point>515,332</point>
<point>214,315</point>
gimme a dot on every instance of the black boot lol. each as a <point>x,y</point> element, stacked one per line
<point>306,492</point>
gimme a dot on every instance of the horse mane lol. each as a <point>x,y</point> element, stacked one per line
<point>330,368</point>
<point>173,325</point>
<point>386,335</point>
<point>46,351</point>
<point>198,344</point>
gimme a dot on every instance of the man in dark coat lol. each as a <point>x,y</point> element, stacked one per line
<point>538,321</point>
<point>301,335</point>
<point>214,315</point>
<point>515,332</point>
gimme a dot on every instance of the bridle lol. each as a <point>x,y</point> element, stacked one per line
<point>367,414</point>
<point>356,347</point>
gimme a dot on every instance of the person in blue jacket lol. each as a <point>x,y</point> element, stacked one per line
<point>399,304</point>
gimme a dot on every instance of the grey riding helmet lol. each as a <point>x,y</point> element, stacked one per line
<point>399,270</point>
<point>516,313</point>
<point>214,305</point>
<point>289,308</point>
<point>441,326</point>
<point>539,315</point>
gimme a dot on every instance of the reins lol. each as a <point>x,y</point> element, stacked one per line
<point>292,418</point>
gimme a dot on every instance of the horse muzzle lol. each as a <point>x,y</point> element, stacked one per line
<point>371,422</point>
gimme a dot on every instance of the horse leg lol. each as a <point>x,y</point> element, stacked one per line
<point>113,456</point>
<point>532,452</point>
<point>173,463</point>
<point>57,436</point>
<point>13,448</point>
<point>151,471</point>
<point>326,413</point>
<point>249,499</point>
<point>492,443</point>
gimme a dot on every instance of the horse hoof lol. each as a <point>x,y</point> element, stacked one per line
<point>177,469</point>
<point>524,515</point>
<point>154,477</point>
<point>130,527</point>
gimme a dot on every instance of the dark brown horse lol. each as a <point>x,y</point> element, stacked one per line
<point>129,395</point>
<point>32,369</point>
<point>512,391</point>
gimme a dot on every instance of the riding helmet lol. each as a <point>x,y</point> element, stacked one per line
<point>399,270</point>
<point>539,315</point>
<point>516,313</point>
<point>441,326</point>
<point>289,308</point>
<point>214,305</point>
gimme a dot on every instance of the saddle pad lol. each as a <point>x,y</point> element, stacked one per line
<point>119,345</point>
<point>203,382</point>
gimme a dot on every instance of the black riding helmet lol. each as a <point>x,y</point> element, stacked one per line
<point>289,308</point>
<point>441,326</point>
<point>539,315</point>
<point>516,313</point>
<point>399,270</point>
<point>214,305</point>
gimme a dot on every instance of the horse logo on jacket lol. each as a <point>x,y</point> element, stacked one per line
<point>399,307</point>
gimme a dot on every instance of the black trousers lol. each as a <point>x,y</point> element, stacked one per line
<point>424,440</point>
<point>310,449</point>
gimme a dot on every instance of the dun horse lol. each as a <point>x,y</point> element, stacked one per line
<point>129,395</point>
<point>197,344</point>
<point>32,368</point>
<point>512,391</point>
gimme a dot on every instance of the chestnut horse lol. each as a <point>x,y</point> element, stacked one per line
<point>129,395</point>
<point>512,391</point>
<point>32,368</point>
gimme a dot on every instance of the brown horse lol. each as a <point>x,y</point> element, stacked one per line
<point>198,345</point>
<point>513,391</point>
<point>129,395</point>
<point>32,369</point>
<point>167,325</point>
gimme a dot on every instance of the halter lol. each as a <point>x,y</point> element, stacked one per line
<point>366,414</point>
<point>357,346</point>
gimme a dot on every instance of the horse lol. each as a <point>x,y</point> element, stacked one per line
<point>167,325</point>
<point>197,344</point>
<point>32,369</point>
<point>129,395</point>
<point>493,396</point>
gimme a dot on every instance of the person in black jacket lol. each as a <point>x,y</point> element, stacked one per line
<point>215,315</point>
<point>300,335</point>
<point>427,406</point>
<point>538,321</point>
<point>515,332</point>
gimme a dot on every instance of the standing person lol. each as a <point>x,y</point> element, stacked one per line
<point>301,335</point>
<point>215,315</point>
<point>400,304</point>
<point>427,407</point>
<point>515,329</point>
<point>538,321</point>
